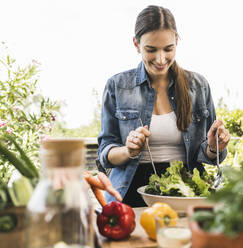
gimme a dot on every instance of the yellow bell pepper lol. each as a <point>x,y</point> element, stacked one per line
<point>147,218</point>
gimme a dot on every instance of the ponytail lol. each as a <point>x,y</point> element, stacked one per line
<point>182,97</point>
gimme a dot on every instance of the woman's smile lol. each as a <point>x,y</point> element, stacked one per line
<point>160,67</point>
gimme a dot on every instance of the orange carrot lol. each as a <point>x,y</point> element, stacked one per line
<point>99,196</point>
<point>108,186</point>
<point>92,181</point>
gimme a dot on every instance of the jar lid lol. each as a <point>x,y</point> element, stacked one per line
<point>62,152</point>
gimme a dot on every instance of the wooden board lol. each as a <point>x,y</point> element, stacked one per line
<point>138,239</point>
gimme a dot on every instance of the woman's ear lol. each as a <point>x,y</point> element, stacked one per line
<point>136,44</point>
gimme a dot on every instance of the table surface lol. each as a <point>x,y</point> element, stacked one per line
<point>137,239</point>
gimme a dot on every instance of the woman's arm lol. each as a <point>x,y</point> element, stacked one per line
<point>109,136</point>
<point>118,155</point>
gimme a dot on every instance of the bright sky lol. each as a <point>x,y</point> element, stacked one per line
<point>80,44</point>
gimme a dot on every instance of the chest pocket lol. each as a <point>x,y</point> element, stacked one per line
<point>199,115</point>
<point>125,115</point>
<point>128,121</point>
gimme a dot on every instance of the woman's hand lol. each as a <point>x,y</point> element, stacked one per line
<point>136,140</point>
<point>134,143</point>
<point>223,136</point>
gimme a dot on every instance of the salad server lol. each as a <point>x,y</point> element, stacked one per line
<point>149,151</point>
<point>219,174</point>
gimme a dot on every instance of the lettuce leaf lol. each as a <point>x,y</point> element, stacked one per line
<point>177,181</point>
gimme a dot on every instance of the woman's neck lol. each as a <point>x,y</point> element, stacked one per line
<point>160,83</point>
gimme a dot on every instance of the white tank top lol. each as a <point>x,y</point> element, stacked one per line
<point>166,143</point>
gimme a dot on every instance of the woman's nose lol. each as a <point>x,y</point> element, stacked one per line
<point>160,58</point>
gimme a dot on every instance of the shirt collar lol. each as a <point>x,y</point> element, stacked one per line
<point>142,75</point>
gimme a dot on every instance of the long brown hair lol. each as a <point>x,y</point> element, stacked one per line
<point>154,18</point>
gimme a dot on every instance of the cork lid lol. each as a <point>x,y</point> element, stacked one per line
<point>62,152</point>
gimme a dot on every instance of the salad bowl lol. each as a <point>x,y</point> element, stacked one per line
<point>180,204</point>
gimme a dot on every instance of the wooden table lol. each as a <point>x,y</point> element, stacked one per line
<point>138,239</point>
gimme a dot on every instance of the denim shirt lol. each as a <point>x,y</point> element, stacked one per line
<point>129,96</point>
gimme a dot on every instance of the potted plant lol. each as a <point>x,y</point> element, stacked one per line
<point>15,195</point>
<point>221,225</point>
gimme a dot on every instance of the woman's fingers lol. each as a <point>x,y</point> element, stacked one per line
<point>137,137</point>
<point>136,140</point>
<point>214,127</point>
<point>226,140</point>
<point>132,143</point>
<point>143,130</point>
<point>223,135</point>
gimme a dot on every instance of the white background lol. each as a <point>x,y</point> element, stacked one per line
<point>80,44</point>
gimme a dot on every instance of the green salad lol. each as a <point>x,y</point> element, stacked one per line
<point>178,181</point>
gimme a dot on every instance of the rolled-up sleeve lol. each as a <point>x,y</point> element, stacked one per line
<point>109,135</point>
<point>202,154</point>
<point>203,158</point>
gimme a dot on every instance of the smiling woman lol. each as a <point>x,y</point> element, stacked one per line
<point>158,87</point>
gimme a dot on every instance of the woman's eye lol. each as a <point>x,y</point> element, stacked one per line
<point>169,50</point>
<point>151,50</point>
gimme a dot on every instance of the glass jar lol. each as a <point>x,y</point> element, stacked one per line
<point>60,213</point>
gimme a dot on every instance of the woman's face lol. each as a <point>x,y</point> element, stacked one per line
<point>158,49</point>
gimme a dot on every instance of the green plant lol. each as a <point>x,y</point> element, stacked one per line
<point>22,162</point>
<point>235,152</point>
<point>24,112</point>
<point>20,190</point>
<point>232,119</point>
<point>227,216</point>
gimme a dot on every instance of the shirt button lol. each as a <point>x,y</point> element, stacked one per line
<point>124,117</point>
<point>172,98</point>
<point>187,140</point>
<point>198,119</point>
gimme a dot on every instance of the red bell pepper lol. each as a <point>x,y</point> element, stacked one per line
<point>116,221</point>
